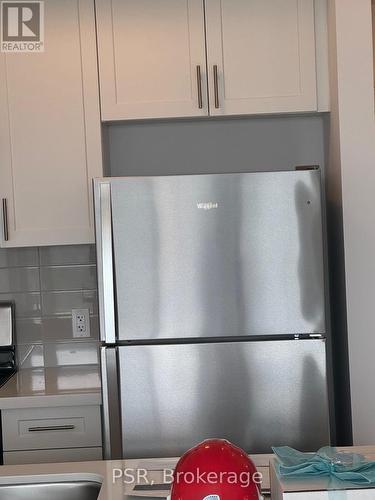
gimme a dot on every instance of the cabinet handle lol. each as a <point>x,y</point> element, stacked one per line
<point>52,428</point>
<point>199,85</point>
<point>5,220</point>
<point>216,87</point>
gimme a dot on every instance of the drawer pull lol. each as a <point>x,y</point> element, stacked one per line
<point>52,428</point>
<point>5,219</point>
<point>216,87</point>
<point>199,84</point>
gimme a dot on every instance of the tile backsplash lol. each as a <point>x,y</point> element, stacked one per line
<point>45,284</point>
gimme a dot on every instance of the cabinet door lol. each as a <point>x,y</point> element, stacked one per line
<point>264,53</point>
<point>50,142</point>
<point>150,57</point>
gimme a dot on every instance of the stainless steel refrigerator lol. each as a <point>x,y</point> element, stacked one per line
<point>212,311</point>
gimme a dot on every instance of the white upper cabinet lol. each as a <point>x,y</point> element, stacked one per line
<point>152,58</point>
<point>50,139</point>
<point>261,56</point>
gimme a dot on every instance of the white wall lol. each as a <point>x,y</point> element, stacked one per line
<point>215,145</point>
<point>352,169</point>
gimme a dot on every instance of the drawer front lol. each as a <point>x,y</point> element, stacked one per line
<point>52,456</point>
<point>48,428</point>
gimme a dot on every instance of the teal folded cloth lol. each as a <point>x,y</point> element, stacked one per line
<point>327,461</point>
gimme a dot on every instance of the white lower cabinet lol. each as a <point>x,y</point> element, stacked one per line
<point>37,435</point>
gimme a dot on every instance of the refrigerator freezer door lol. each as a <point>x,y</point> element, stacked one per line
<point>256,394</point>
<point>218,255</point>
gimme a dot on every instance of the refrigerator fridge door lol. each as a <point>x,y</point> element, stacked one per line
<point>257,394</point>
<point>216,255</point>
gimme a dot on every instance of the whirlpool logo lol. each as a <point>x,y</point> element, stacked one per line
<point>207,205</point>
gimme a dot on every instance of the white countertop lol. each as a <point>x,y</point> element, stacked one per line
<point>103,472</point>
<point>63,386</point>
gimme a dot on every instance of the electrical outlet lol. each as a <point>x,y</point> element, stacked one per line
<point>81,323</point>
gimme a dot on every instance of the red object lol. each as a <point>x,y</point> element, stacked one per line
<point>215,470</point>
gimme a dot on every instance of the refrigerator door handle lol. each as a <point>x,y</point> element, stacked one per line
<point>103,221</point>
<point>111,418</point>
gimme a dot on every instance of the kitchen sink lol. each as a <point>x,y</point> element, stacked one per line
<point>56,490</point>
